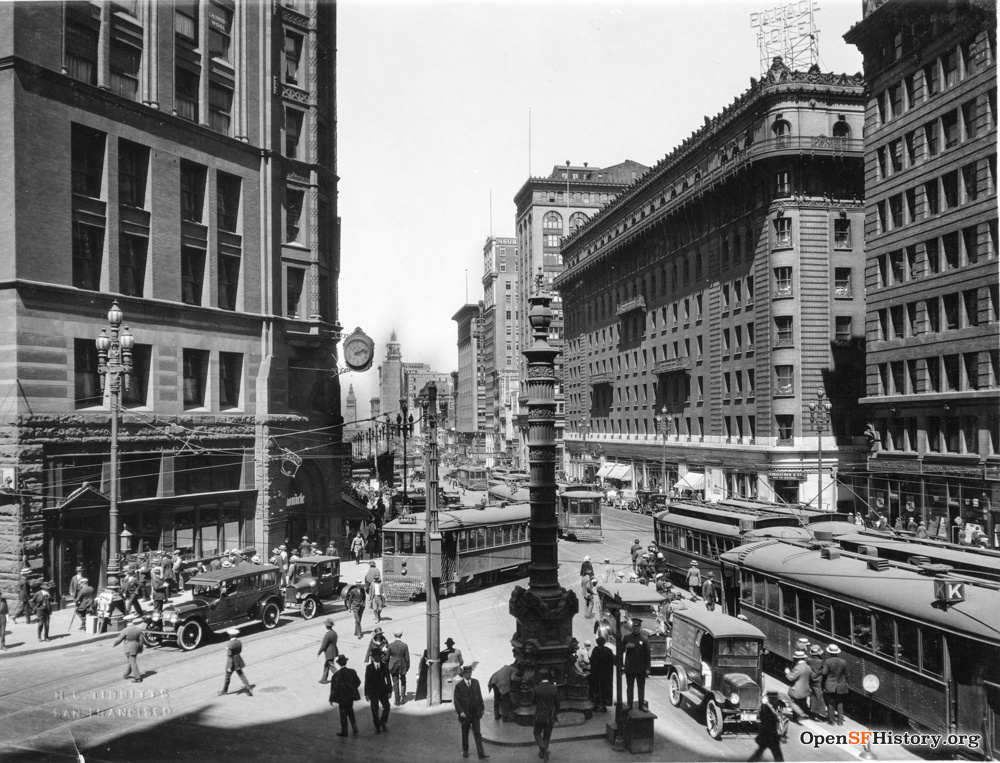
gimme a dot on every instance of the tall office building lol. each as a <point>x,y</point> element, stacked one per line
<point>933,317</point>
<point>549,209</point>
<point>179,159</point>
<point>501,348</point>
<point>470,398</point>
<point>710,302</point>
<point>391,386</point>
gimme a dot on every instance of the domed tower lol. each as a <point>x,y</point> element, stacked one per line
<point>391,387</point>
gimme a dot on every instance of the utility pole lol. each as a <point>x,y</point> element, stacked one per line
<point>433,543</point>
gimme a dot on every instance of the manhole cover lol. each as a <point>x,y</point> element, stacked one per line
<point>270,689</point>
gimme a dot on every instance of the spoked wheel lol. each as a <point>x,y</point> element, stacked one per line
<point>190,635</point>
<point>309,609</point>
<point>713,720</point>
<point>675,690</point>
<point>269,617</point>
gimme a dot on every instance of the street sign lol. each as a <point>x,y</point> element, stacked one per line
<point>949,591</point>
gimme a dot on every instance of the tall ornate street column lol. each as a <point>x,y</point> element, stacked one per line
<point>544,612</point>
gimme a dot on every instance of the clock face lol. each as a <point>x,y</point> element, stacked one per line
<point>357,353</point>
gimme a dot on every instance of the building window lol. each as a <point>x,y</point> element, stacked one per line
<point>195,373</point>
<point>786,428</point>
<point>220,107</point>
<point>131,265</point>
<point>81,51</point>
<point>783,331</point>
<point>228,202</point>
<point>138,387</point>
<point>842,233</point>
<point>842,282</point>
<point>230,379</point>
<point>576,221</point>
<point>87,157</point>
<point>88,255</point>
<point>220,27</point>
<point>293,56</point>
<point>782,130</point>
<point>229,281</point>
<point>125,61</point>
<point>192,191</point>
<point>293,132</point>
<point>552,221</point>
<point>86,380</point>
<point>186,19</point>
<point>783,183</point>
<point>783,231</point>
<point>784,380</point>
<point>931,139</point>
<point>186,94</point>
<point>294,282</point>
<point>783,282</point>
<point>192,275</point>
<point>133,161</point>
<point>293,215</point>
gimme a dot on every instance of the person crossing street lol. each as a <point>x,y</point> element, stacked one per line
<point>234,662</point>
<point>378,688</point>
<point>344,693</point>
<point>328,648</point>
<point>399,666</point>
<point>135,639</point>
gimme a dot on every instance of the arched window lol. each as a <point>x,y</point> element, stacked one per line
<point>782,131</point>
<point>577,220</point>
<point>841,130</point>
<point>552,221</point>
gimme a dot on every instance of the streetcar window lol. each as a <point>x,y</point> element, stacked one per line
<point>420,544</point>
<point>841,622</point>
<point>862,628</point>
<point>805,609</point>
<point>506,534</point>
<point>481,537</point>
<point>758,591</point>
<point>908,649</point>
<point>489,535</point>
<point>682,543</point>
<point>388,543</point>
<point>932,651</point>
<point>822,616</point>
<point>885,637</point>
<point>772,596</point>
<point>463,540</point>
<point>527,532</point>
<point>746,586</point>
<point>406,543</point>
<point>472,540</point>
<point>586,506</point>
<point>788,603</point>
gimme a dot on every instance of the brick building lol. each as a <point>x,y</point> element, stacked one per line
<point>933,313</point>
<point>180,159</point>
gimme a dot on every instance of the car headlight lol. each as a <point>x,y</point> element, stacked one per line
<point>298,595</point>
<point>734,698</point>
<point>313,584</point>
<point>173,617</point>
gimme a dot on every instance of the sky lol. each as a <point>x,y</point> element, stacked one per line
<point>433,130</point>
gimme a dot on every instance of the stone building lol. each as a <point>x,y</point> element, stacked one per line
<point>933,314</point>
<point>470,398</point>
<point>501,348</point>
<point>181,160</point>
<point>711,301</point>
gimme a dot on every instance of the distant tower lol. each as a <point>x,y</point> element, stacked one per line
<point>351,414</point>
<point>392,377</point>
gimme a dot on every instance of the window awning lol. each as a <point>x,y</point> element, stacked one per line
<point>694,481</point>
<point>605,470</point>
<point>354,509</point>
<point>621,472</point>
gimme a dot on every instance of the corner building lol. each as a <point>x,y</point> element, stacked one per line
<point>933,317</point>
<point>178,158</point>
<point>722,292</point>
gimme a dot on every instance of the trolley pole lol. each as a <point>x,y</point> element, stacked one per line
<point>819,414</point>
<point>433,542</point>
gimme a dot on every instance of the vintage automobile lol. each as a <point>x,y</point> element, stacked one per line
<point>650,502</point>
<point>632,600</point>
<point>222,599</point>
<point>715,663</point>
<point>627,499</point>
<point>311,580</point>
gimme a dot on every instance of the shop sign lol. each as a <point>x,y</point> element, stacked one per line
<point>218,19</point>
<point>787,474</point>
<point>296,500</point>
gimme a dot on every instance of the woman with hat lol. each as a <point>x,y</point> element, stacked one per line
<point>234,662</point>
<point>835,685</point>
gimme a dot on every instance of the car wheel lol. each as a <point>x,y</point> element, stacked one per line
<point>190,635</point>
<point>269,617</point>
<point>309,609</point>
<point>713,720</point>
<point>675,690</point>
<point>155,639</point>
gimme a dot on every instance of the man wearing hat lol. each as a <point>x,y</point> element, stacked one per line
<point>693,578</point>
<point>819,668</point>
<point>160,589</point>
<point>636,662</point>
<point>586,568</point>
<point>500,684</point>
<point>835,685</point>
<point>135,639</point>
<point>708,592</point>
<point>378,688</point>
<point>768,729</point>
<point>468,702</point>
<point>798,677</point>
<point>602,675</point>
<point>355,601</point>
<point>234,662</point>
<point>636,551</point>
<point>328,648</point>
<point>84,602</point>
<point>304,547</point>
<point>399,666</point>
<point>344,693</point>
<point>371,575</point>
<point>450,653</point>
<point>546,711</point>
<point>608,574</point>
<point>74,582</point>
<point>23,597</point>
<point>41,605</point>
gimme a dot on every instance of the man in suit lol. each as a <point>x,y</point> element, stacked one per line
<point>355,601</point>
<point>234,662</point>
<point>130,590</point>
<point>769,731</point>
<point>161,589</point>
<point>835,684</point>
<point>344,693</point>
<point>134,639</point>
<point>328,648</point>
<point>819,668</point>
<point>468,702</point>
<point>399,666</point>
<point>41,605</point>
<point>24,596</point>
<point>636,662</point>
<point>798,677</point>
<point>708,592</point>
<point>84,602</point>
<point>546,712</point>
<point>377,691</point>
<point>74,582</point>
<point>602,675</point>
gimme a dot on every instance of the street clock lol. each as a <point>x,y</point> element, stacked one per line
<point>359,350</point>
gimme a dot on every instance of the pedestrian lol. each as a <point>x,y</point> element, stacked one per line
<point>84,602</point>
<point>372,539</point>
<point>693,578</point>
<point>331,548</point>
<point>586,568</point>
<point>421,692</point>
<point>161,589</point>
<point>911,525</point>
<point>328,648</point>
<point>372,575</point>
<point>708,592</point>
<point>376,600</point>
<point>357,548</point>
<point>468,702</point>
<point>636,662</point>
<point>898,526</point>
<point>234,662</point>
<point>819,668</point>
<point>768,730</point>
<point>4,610</point>
<point>500,684</point>
<point>798,677</point>
<point>344,693</point>
<point>355,601</point>
<point>378,647</point>
<point>23,596</point>
<point>130,589</point>
<point>399,666</point>
<point>377,691</point>
<point>178,567</point>
<point>835,685</point>
<point>450,653</point>
<point>74,582</point>
<point>41,605</point>
<point>608,573</point>
<point>166,567</point>
<point>588,586</point>
<point>135,639</point>
<point>283,562</point>
<point>546,712</point>
<point>922,529</point>
<point>636,551</point>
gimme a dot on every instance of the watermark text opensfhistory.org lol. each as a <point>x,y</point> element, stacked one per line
<point>908,739</point>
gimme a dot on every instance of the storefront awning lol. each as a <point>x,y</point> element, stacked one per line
<point>694,481</point>
<point>621,472</point>
<point>355,509</point>
<point>605,470</point>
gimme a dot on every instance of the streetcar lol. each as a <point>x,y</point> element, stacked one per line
<point>932,641</point>
<point>579,513</point>
<point>471,477</point>
<point>477,545</point>
<point>503,494</point>
<point>967,560</point>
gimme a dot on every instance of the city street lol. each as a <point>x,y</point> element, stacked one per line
<point>56,702</point>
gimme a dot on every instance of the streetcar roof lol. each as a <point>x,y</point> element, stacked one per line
<point>848,577</point>
<point>459,518</point>
<point>720,625</point>
<point>631,593</point>
<point>210,577</point>
<point>509,492</point>
<point>835,529</point>
<point>936,551</point>
<point>694,523</point>
<point>580,492</point>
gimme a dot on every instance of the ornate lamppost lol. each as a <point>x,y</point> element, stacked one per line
<point>114,364</point>
<point>404,428</point>
<point>819,417</point>
<point>433,544</point>
<point>663,422</point>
